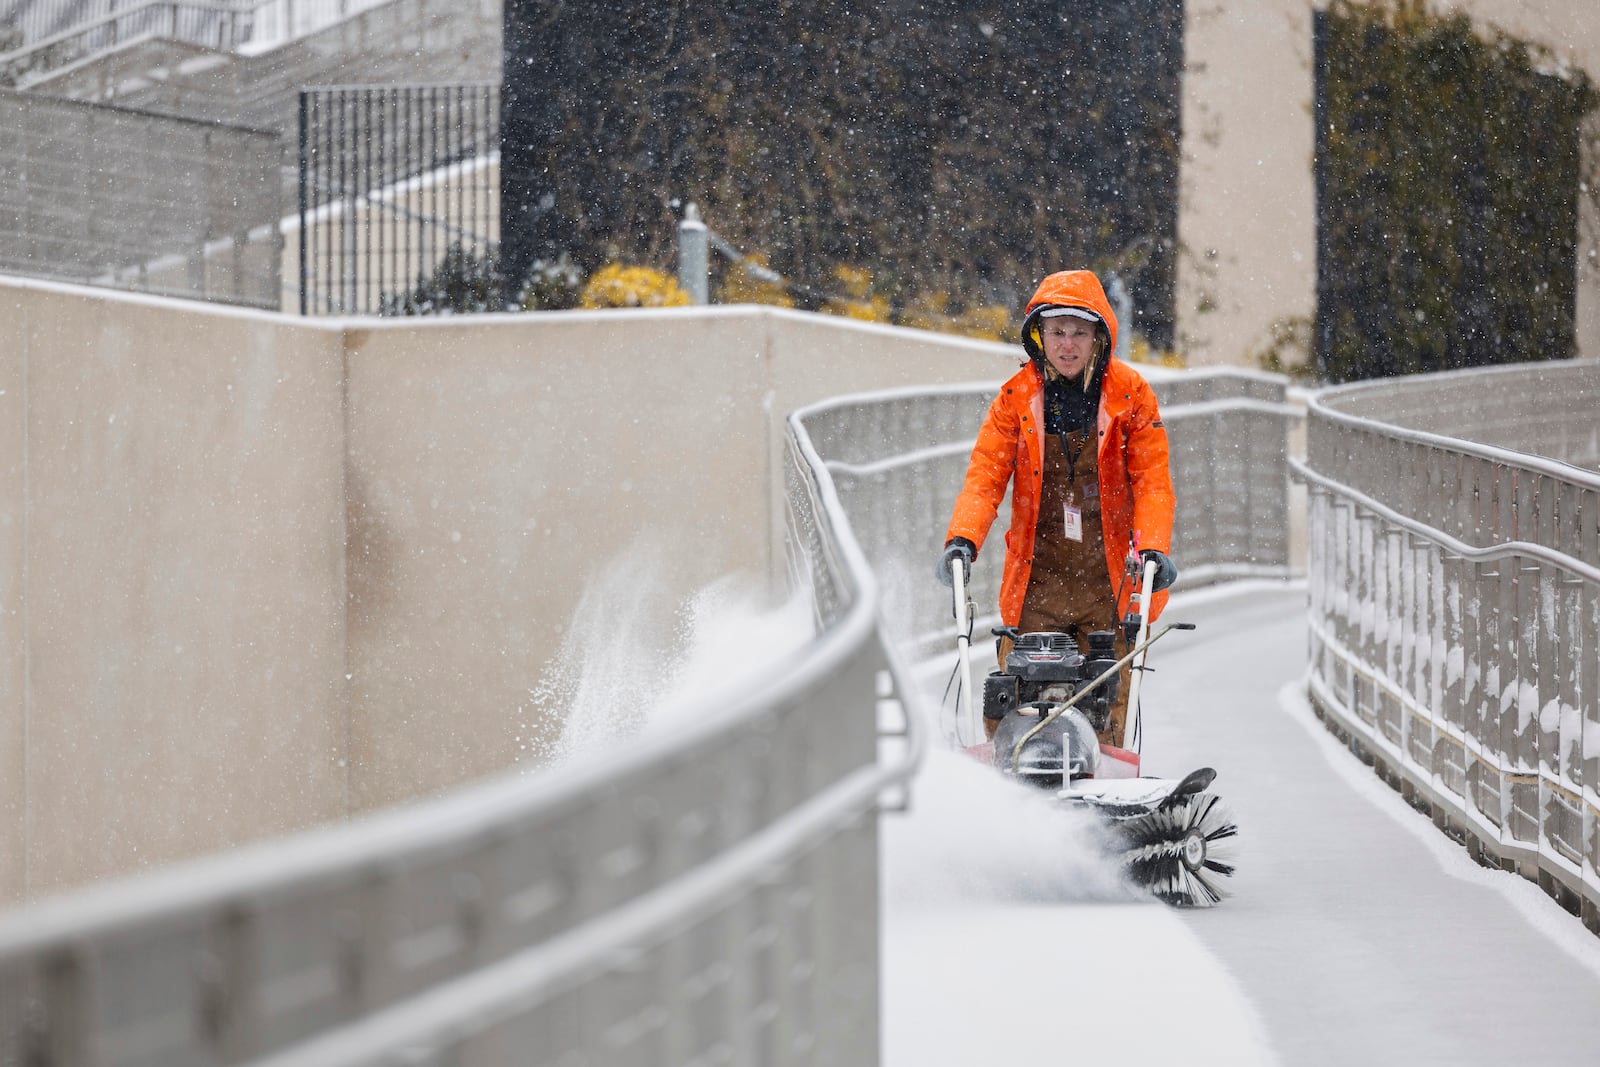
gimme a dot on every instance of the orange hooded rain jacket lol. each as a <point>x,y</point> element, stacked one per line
<point>1136,498</point>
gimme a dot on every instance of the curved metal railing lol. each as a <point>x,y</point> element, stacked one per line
<point>712,893</point>
<point>709,895</point>
<point>706,895</point>
<point>1455,603</point>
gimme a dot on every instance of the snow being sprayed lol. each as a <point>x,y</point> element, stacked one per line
<point>733,640</point>
<point>637,657</point>
<point>972,836</point>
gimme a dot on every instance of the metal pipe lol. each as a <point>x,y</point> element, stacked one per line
<point>694,262</point>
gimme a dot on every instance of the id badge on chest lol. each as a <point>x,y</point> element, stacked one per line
<point>1072,520</point>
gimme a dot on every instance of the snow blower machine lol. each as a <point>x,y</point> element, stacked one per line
<point>1172,837</point>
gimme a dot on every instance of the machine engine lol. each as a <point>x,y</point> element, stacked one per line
<point>1043,671</point>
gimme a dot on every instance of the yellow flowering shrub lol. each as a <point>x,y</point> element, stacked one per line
<point>873,309</point>
<point>856,300</point>
<point>985,322</point>
<point>617,286</point>
<point>926,311</point>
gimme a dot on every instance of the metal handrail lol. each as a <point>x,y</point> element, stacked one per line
<point>1318,405</point>
<point>498,993</point>
<point>1175,413</point>
<point>1455,546</point>
<point>231,10</point>
<point>1477,711</point>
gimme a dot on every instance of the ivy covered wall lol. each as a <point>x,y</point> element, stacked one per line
<point>1448,174</point>
<point>938,148</point>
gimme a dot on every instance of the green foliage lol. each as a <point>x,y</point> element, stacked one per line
<point>471,282</point>
<point>551,285</point>
<point>960,149</point>
<point>465,282</point>
<point>1449,171</point>
<point>1289,342</point>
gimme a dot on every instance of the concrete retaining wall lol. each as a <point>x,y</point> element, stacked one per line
<point>261,573</point>
<point>172,552</point>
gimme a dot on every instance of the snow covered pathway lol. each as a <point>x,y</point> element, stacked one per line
<point>1356,933</point>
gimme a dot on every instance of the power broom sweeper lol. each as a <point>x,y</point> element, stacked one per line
<point>1171,836</point>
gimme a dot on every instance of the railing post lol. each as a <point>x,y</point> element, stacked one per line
<point>304,192</point>
<point>1122,304</point>
<point>693,255</point>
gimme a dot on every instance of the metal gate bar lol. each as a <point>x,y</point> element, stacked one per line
<point>392,178</point>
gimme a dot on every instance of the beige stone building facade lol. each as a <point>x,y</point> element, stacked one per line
<point>1247,215</point>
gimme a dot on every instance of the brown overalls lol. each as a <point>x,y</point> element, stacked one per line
<point>1068,588</point>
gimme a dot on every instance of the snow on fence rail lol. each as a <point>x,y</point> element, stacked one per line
<point>708,895</point>
<point>1455,605</point>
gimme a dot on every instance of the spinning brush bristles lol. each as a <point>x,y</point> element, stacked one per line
<point>1181,853</point>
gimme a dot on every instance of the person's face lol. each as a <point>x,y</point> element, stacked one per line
<point>1068,343</point>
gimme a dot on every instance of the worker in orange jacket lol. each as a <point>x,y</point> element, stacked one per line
<point>1078,435</point>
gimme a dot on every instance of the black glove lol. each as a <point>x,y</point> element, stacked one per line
<point>956,548</point>
<point>1166,572</point>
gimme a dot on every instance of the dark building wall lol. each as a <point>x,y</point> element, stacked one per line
<point>943,146</point>
<point>1448,176</point>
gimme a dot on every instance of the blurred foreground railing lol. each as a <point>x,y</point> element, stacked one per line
<point>1455,605</point>
<point>708,895</point>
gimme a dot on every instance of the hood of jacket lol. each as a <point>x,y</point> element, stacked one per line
<point>1066,288</point>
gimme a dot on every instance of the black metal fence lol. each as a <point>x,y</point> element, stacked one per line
<point>393,178</point>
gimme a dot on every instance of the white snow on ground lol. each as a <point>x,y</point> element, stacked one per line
<point>1095,984</point>
<point>1360,933</point>
<point>1355,933</point>
<point>1009,939</point>
<point>1006,940</point>
<point>1526,898</point>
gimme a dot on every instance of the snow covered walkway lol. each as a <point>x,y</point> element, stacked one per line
<point>1356,933</point>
